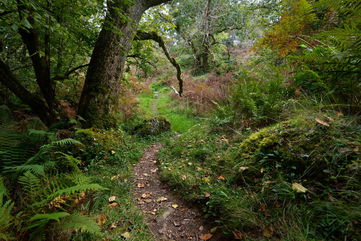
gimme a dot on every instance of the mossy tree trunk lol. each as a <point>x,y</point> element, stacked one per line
<point>99,99</point>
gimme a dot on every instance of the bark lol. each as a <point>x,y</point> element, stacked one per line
<point>99,99</point>
<point>41,64</point>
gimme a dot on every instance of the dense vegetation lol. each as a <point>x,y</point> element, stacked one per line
<point>257,102</point>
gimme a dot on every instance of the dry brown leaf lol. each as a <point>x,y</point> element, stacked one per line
<point>243,168</point>
<point>222,178</point>
<point>101,219</point>
<point>322,122</point>
<point>146,195</point>
<point>206,236</point>
<point>237,235</point>
<point>140,185</point>
<point>114,204</point>
<point>175,206</point>
<point>207,194</point>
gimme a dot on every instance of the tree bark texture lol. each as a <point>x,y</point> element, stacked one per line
<point>101,92</point>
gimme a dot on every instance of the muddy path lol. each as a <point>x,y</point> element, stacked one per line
<point>167,216</point>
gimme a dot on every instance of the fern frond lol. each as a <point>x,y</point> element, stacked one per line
<point>5,213</point>
<point>70,191</point>
<point>79,223</point>
<point>35,169</point>
<point>62,143</point>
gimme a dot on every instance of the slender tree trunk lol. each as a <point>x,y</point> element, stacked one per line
<point>100,96</point>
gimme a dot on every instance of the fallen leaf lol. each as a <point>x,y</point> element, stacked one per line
<point>140,185</point>
<point>298,188</point>
<point>243,168</point>
<point>207,194</point>
<point>206,236</point>
<point>154,170</point>
<point>184,177</point>
<point>161,199</point>
<point>267,232</point>
<point>322,122</point>
<point>101,219</point>
<point>237,235</point>
<point>146,195</point>
<point>126,235</point>
<point>113,152</point>
<point>222,178</point>
<point>114,204</point>
<point>112,199</point>
<point>175,206</point>
<point>214,229</point>
<point>206,179</point>
<point>145,174</point>
<point>114,225</point>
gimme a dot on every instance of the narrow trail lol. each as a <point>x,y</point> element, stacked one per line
<point>167,216</point>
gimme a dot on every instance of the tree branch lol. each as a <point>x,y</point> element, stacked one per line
<point>155,37</point>
<point>37,105</point>
<point>67,74</point>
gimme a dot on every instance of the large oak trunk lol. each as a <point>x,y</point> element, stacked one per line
<point>100,96</point>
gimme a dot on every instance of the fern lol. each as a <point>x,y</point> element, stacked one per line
<point>79,223</point>
<point>6,219</point>
<point>35,169</point>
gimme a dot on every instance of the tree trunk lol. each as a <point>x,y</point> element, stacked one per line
<point>99,99</point>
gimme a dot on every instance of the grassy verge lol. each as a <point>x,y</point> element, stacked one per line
<point>180,117</point>
<point>110,165</point>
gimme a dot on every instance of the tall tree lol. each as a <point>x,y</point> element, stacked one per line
<point>101,91</point>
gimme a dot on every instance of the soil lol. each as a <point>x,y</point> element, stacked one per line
<point>168,217</point>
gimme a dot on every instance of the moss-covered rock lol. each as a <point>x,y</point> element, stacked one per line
<point>152,127</point>
<point>309,150</point>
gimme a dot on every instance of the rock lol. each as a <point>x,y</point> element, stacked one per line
<point>152,127</point>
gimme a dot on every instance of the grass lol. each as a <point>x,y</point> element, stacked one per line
<point>180,117</point>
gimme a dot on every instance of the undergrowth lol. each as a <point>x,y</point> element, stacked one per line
<point>295,180</point>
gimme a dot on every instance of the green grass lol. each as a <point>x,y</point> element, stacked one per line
<point>180,117</point>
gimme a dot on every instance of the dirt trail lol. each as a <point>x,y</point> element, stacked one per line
<point>168,217</point>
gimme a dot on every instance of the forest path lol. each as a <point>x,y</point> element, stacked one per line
<point>168,217</point>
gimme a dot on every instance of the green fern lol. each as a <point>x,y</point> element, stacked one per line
<point>6,219</point>
<point>79,223</point>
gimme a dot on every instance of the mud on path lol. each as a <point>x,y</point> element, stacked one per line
<point>167,216</point>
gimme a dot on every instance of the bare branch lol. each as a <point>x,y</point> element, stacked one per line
<point>155,37</point>
<point>67,74</point>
